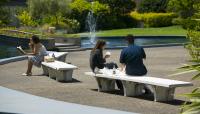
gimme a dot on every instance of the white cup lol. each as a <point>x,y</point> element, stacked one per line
<point>108,53</point>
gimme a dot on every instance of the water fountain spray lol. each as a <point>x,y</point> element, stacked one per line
<point>91,23</point>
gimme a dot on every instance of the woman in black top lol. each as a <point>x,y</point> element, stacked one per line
<point>97,60</point>
<point>96,56</point>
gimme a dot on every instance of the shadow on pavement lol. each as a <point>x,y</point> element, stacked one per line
<point>148,97</point>
<point>73,81</point>
<point>7,113</point>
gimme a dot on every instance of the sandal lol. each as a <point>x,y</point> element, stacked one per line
<point>25,74</point>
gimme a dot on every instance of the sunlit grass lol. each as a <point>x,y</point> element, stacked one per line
<point>162,31</point>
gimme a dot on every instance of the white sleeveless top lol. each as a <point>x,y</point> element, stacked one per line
<point>42,51</point>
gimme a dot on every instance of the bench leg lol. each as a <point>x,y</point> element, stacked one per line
<point>65,75</point>
<point>163,93</point>
<point>45,70</point>
<point>132,88</point>
<point>52,73</point>
<point>105,84</point>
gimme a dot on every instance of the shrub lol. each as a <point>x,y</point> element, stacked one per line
<point>154,19</point>
<point>192,105</point>
<point>69,25</point>
<point>177,21</point>
<point>74,25</point>
<point>119,7</point>
<point>39,9</point>
<point>194,45</point>
<point>196,15</point>
<point>191,24</point>
<point>157,6</point>
<point>5,14</point>
<point>26,19</point>
<point>184,8</point>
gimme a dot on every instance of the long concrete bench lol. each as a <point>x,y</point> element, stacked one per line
<point>163,89</point>
<point>59,70</point>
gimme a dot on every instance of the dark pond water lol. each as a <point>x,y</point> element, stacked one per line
<point>121,42</point>
<point>7,50</point>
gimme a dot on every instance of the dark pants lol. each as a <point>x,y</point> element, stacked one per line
<point>120,85</point>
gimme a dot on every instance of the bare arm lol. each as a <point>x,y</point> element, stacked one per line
<point>35,50</point>
<point>122,67</point>
<point>31,47</point>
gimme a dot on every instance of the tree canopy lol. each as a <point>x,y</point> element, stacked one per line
<point>185,8</point>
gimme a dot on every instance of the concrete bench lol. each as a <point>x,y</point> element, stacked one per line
<point>59,56</point>
<point>163,89</point>
<point>59,70</point>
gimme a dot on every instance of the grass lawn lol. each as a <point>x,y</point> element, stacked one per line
<point>163,31</point>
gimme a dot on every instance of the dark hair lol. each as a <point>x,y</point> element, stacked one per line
<point>130,38</point>
<point>99,45</point>
<point>35,39</point>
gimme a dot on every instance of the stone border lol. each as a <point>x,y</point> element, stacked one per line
<point>148,46</point>
<point>146,37</point>
<point>12,59</point>
<point>142,37</point>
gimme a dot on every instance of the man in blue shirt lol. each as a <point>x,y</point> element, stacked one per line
<point>132,57</point>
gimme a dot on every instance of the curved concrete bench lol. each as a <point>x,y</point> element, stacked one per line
<point>163,89</point>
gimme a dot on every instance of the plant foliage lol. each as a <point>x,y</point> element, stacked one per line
<point>157,6</point>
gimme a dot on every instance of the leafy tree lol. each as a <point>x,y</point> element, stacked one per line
<point>38,9</point>
<point>109,13</point>
<point>185,8</point>
<point>80,9</point>
<point>4,16</point>
<point>2,2</point>
<point>152,6</point>
<point>26,19</point>
<point>4,13</point>
<point>119,7</point>
<point>193,106</point>
<point>118,16</point>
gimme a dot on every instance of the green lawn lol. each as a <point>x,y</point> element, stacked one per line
<point>163,31</point>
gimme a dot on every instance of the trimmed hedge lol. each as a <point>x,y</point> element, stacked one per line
<point>154,19</point>
<point>188,24</point>
<point>191,24</point>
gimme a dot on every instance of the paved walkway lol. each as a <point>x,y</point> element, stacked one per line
<point>160,62</point>
<point>12,101</point>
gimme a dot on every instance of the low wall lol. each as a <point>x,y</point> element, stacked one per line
<point>75,41</point>
<point>49,43</point>
<point>12,59</point>
<point>123,37</point>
